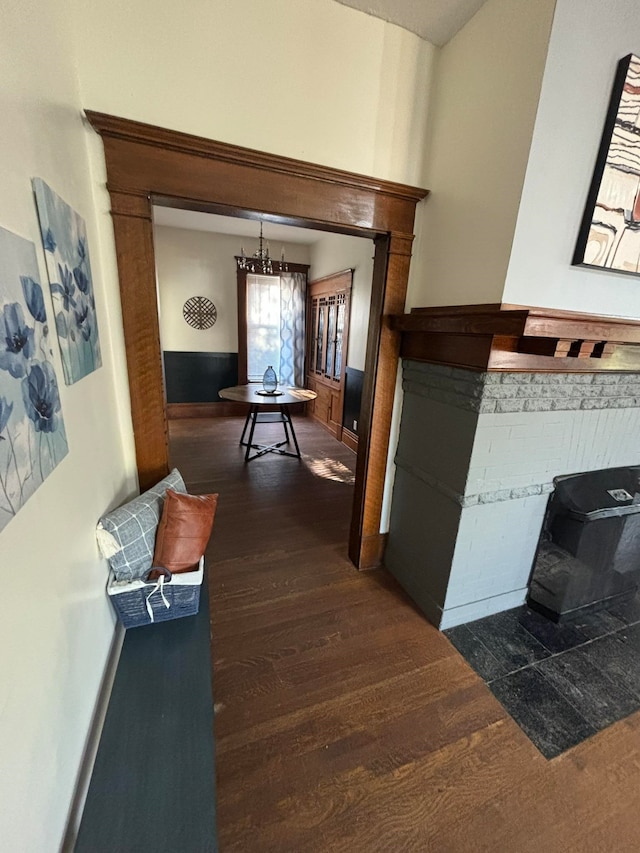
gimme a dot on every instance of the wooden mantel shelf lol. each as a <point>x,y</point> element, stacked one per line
<point>519,338</point>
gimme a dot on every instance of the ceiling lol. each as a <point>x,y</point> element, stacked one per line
<point>195,221</point>
<point>436,21</point>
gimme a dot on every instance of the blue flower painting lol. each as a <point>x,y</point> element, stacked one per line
<point>32,435</point>
<point>64,240</point>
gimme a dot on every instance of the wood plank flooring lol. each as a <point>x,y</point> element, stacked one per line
<point>344,720</point>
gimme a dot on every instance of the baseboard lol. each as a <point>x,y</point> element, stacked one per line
<point>225,409</point>
<point>464,613</point>
<point>350,439</point>
<point>92,742</point>
<point>176,411</point>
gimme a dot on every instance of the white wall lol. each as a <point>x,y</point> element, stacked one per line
<point>56,625</point>
<point>349,91</point>
<point>484,103</point>
<point>334,253</point>
<point>313,80</point>
<point>588,39</point>
<point>200,263</point>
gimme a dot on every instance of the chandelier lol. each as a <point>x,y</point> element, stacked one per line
<point>260,261</point>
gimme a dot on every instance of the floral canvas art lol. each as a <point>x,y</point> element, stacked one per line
<point>32,435</point>
<point>64,238</point>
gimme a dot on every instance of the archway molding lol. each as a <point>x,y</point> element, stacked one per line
<point>147,164</point>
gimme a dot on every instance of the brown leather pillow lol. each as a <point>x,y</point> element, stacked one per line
<point>184,530</point>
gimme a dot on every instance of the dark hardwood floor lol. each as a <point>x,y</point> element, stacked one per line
<point>344,720</point>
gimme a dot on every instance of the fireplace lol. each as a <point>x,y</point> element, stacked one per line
<point>589,548</point>
<point>499,400</point>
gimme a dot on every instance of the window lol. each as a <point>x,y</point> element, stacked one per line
<point>271,324</point>
<point>263,325</point>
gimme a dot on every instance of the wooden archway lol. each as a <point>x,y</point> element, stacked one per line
<point>146,163</point>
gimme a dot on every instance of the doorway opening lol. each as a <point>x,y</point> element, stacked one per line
<point>243,329</point>
<point>147,164</point>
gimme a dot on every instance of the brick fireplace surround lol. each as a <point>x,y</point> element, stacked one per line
<point>497,402</point>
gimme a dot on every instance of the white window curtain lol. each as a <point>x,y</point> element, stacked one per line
<point>293,294</point>
<point>276,327</point>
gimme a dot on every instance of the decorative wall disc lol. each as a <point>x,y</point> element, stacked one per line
<point>199,312</point>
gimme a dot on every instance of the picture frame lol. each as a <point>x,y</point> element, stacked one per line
<point>609,234</point>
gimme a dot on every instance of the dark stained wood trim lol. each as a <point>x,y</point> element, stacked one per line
<point>145,162</point>
<point>334,275</point>
<point>519,338</point>
<point>329,285</point>
<point>518,320</point>
<point>223,409</point>
<point>162,138</point>
<point>241,276</point>
<point>373,548</point>
<point>390,273</point>
<point>133,233</point>
<point>350,439</point>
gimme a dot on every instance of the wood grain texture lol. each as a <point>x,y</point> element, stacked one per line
<point>390,274</point>
<point>345,722</point>
<point>145,162</point>
<point>133,232</point>
<point>329,406</point>
<point>519,338</point>
<point>350,439</point>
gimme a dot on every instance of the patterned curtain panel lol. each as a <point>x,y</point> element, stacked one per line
<point>293,294</point>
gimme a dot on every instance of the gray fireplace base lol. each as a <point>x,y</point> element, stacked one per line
<point>475,462</point>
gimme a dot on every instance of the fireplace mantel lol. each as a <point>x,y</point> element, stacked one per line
<point>502,337</point>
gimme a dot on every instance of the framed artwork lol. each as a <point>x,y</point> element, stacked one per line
<point>32,434</point>
<point>64,238</point>
<point>609,236</point>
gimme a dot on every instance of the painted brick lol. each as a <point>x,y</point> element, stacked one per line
<point>552,379</point>
<point>538,405</point>
<point>609,378</point>
<point>502,484</point>
<point>517,378</point>
<point>628,389</point>
<point>583,378</point>
<point>566,405</point>
<point>503,392</point>
<point>589,391</point>
<point>624,402</point>
<point>595,403</point>
<point>495,378</point>
<point>507,406</point>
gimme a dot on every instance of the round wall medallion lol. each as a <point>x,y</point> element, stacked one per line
<point>199,312</point>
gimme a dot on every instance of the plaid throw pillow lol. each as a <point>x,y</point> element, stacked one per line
<point>127,535</point>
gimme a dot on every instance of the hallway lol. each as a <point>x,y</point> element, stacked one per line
<point>344,720</point>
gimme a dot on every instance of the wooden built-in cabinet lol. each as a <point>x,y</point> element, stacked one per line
<point>328,307</point>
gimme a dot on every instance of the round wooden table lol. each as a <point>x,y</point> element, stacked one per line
<point>283,399</point>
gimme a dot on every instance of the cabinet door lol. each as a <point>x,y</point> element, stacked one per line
<point>328,330</point>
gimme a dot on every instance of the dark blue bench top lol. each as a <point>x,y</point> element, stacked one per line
<point>153,782</point>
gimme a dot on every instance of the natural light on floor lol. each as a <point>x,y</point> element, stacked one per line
<point>329,469</point>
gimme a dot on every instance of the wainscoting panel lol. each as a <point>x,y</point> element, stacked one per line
<point>196,377</point>
<point>352,397</point>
